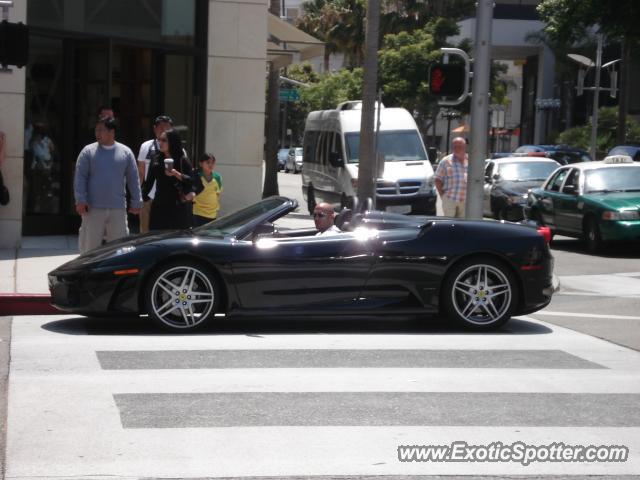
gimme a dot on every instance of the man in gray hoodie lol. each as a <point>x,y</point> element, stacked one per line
<point>102,169</point>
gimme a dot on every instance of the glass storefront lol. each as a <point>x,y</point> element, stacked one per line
<point>141,57</point>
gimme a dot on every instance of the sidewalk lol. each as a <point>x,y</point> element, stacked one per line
<point>24,285</point>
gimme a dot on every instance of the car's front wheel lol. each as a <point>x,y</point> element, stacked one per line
<point>181,296</point>
<point>591,234</point>
<point>480,293</point>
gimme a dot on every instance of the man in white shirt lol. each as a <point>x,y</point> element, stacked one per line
<point>149,148</point>
<point>323,216</point>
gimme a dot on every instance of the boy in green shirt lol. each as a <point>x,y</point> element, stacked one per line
<point>208,186</point>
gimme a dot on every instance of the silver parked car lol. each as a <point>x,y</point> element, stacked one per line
<point>294,160</point>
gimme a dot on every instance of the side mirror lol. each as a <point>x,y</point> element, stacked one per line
<point>335,160</point>
<point>262,230</point>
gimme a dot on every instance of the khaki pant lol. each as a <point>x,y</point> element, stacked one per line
<point>99,223</point>
<point>451,208</point>
<point>144,216</point>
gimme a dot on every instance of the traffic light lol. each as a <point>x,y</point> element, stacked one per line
<point>14,44</point>
<point>447,80</point>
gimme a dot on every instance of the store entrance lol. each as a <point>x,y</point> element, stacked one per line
<point>68,80</point>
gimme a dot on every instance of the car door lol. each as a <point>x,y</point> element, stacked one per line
<point>546,203</point>
<point>314,273</point>
<point>567,216</point>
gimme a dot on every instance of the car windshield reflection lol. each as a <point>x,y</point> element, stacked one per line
<point>607,180</point>
<point>526,171</point>
<point>229,224</point>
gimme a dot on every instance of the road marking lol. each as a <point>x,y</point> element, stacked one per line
<point>587,315</point>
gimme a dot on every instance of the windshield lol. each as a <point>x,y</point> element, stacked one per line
<point>613,180</point>
<point>231,223</point>
<point>397,146</point>
<point>526,171</point>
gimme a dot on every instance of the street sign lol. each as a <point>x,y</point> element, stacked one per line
<point>289,95</point>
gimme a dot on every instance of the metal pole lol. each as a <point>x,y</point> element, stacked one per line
<point>284,125</point>
<point>479,108</point>
<point>367,162</point>
<point>596,99</point>
<point>448,131</point>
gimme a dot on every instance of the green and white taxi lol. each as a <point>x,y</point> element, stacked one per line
<point>596,201</point>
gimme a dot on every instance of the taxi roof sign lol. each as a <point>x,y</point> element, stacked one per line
<point>612,159</point>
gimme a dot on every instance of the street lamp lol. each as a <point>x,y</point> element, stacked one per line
<point>585,64</point>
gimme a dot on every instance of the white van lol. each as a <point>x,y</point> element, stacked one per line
<point>330,160</point>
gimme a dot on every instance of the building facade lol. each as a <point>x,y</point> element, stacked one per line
<point>200,61</point>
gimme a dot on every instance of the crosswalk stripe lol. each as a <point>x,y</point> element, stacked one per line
<point>240,409</point>
<point>88,406</point>
<point>584,315</point>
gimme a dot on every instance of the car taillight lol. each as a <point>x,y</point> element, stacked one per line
<point>546,233</point>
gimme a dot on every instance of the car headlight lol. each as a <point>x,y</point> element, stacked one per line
<point>427,186</point>
<point>517,198</point>
<point>124,250</point>
<point>623,215</point>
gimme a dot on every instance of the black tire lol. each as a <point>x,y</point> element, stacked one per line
<point>181,296</point>
<point>467,301</point>
<point>591,235</point>
<point>311,199</point>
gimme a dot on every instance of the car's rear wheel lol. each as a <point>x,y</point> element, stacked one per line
<point>591,234</point>
<point>480,293</point>
<point>181,296</point>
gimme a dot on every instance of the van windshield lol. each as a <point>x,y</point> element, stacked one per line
<point>396,145</point>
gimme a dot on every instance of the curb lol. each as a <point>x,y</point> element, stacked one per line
<point>26,304</point>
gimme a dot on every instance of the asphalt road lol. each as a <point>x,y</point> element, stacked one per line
<point>599,294</point>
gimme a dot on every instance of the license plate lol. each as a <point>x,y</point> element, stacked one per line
<point>399,208</point>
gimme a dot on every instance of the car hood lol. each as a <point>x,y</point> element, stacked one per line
<point>394,171</point>
<point>519,187</point>
<point>616,201</point>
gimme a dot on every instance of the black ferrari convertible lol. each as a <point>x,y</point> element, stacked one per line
<point>477,273</point>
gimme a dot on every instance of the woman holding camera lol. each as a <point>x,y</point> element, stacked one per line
<point>172,173</point>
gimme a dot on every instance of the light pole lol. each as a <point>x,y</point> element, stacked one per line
<point>585,64</point>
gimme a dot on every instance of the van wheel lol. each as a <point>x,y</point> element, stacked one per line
<point>311,199</point>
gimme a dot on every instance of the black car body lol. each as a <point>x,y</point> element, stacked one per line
<point>563,154</point>
<point>479,273</point>
<point>632,150</point>
<point>507,182</point>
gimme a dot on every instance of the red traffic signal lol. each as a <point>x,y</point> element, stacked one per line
<point>447,80</point>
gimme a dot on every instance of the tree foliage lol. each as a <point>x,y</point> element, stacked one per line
<point>580,137</point>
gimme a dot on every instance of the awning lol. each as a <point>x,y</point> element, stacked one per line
<point>461,129</point>
<point>287,44</point>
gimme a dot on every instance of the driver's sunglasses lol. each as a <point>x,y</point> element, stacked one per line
<point>320,215</point>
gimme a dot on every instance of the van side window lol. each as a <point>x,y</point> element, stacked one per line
<point>338,146</point>
<point>320,153</point>
<point>310,142</point>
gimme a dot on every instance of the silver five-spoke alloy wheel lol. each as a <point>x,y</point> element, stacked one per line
<point>182,297</point>
<point>481,294</point>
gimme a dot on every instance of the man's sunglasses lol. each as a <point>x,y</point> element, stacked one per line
<point>320,215</point>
